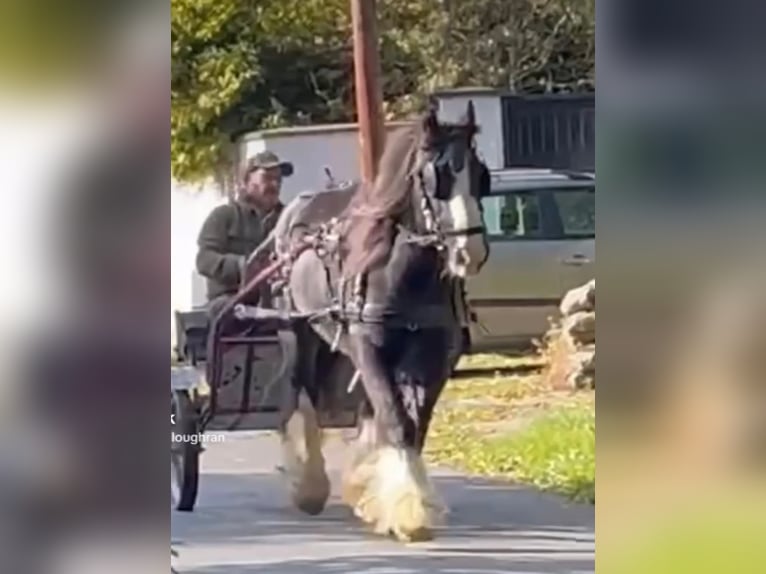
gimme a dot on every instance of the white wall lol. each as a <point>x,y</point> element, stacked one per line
<point>188,209</point>
<point>309,154</point>
<point>311,150</point>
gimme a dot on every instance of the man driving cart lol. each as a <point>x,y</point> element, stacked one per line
<point>233,231</point>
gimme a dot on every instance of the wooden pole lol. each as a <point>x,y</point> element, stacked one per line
<point>367,81</point>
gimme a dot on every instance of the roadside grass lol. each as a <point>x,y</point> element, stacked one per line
<point>514,428</point>
<point>492,361</point>
<point>500,389</point>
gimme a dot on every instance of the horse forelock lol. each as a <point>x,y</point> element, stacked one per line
<point>376,206</point>
<point>387,195</point>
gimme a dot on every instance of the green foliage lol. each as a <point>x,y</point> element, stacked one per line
<point>516,427</point>
<point>213,63</point>
<point>556,452</point>
<point>241,65</point>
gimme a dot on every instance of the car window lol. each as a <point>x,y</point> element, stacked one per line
<point>577,210</point>
<point>513,215</point>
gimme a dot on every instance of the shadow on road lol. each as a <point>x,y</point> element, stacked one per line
<point>404,565</point>
<point>246,523</point>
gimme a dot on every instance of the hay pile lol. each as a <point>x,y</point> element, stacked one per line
<point>570,346</point>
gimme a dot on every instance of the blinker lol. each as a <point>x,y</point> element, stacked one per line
<point>450,161</point>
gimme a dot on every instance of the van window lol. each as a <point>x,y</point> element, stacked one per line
<point>513,215</point>
<point>577,210</point>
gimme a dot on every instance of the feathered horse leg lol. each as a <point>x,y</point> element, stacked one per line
<point>301,435</point>
<point>303,460</point>
<point>387,484</point>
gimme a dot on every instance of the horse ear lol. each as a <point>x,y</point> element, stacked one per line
<point>470,115</point>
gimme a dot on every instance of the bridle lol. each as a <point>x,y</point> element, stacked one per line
<point>433,234</point>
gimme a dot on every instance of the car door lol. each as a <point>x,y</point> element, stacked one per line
<point>576,224</point>
<point>520,285</point>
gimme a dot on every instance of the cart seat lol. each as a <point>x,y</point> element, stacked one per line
<point>193,328</point>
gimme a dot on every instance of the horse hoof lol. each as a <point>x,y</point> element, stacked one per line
<point>311,495</point>
<point>418,535</point>
<point>312,507</point>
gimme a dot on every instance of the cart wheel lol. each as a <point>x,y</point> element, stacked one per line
<point>184,456</point>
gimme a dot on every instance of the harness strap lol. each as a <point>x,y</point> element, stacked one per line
<point>413,319</point>
<point>437,238</point>
<point>467,232</point>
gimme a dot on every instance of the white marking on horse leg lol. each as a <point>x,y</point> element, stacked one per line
<point>304,463</point>
<point>358,472</point>
<point>399,497</point>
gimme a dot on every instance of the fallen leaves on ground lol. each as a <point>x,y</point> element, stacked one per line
<point>514,427</point>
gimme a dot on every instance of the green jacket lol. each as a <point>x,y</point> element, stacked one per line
<point>230,233</point>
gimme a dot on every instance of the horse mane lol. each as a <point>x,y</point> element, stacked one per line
<point>374,209</point>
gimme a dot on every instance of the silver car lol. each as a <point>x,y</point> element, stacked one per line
<point>541,226</point>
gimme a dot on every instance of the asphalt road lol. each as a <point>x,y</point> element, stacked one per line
<point>243,524</point>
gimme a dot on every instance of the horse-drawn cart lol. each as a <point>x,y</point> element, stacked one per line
<point>234,370</point>
<point>375,272</point>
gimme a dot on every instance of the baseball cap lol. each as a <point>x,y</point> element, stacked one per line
<point>267,160</point>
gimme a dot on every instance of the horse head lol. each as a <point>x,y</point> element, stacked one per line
<point>452,180</point>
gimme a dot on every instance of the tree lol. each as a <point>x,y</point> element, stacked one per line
<point>242,65</point>
<point>522,45</point>
<point>213,61</point>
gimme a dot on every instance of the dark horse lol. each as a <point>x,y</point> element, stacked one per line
<point>402,248</point>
